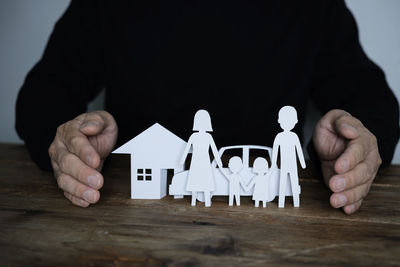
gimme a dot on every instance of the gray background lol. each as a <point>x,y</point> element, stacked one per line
<point>26,25</point>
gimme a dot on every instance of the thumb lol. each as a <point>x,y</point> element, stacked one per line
<point>347,128</point>
<point>92,124</point>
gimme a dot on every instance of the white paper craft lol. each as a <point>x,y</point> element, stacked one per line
<point>156,150</point>
<point>153,152</point>
<point>201,177</point>
<point>289,145</point>
<point>260,182</point>
<point>178,190</point>
<point>235,179</point>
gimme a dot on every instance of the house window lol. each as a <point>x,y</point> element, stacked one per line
<point>144,174</point>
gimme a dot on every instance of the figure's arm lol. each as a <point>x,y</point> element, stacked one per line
<point>250,185</point>
<point>300,154</point>
<point>275,151</point>
<point>215,152</point>
<point>186,151</point>
<point>226,174</point>
<point>243,184</point>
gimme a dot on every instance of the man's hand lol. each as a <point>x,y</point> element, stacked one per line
<point>349,158</point>
<point>78,152</point>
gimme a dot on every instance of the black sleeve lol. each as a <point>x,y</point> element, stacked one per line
<point>344,78</point>
<point>61,84</point>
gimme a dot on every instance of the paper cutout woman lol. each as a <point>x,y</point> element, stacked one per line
<point>201,177</point>
<point>260,182</point>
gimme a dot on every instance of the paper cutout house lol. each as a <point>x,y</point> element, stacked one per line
<point>153,152</point>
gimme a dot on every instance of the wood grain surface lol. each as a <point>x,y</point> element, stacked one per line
<point>38,226</point>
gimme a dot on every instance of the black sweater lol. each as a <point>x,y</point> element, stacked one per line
<point>160,61</point>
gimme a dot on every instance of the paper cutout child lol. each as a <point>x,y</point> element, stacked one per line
<point>289,145</point>
<point>201,177</point>
<point>260,182</point>
<point>235,180</point>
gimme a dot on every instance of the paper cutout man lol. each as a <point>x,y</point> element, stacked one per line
<point>289,145</point>
<point>201,177</point>
<point>235,180</point>
<point>260,182</point>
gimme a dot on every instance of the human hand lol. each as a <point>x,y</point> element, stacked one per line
<point>349,158</point>
<point>78,152</point>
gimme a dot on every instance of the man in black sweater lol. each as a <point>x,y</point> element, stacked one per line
<point>160,61</point>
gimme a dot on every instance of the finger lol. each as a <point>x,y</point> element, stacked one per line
<point>359,143</point>
<point>70,164</point>
<point>98,121</point>
<point>356,151</point>
<point>349,209</point>
<point>351,196</point>
<point>361,174</point>
<point>78,144</point>
<point>328,121</point>
<point>77,201</point>
<point>77,189</point>
<point>348,126</point>
<point>92,123</point>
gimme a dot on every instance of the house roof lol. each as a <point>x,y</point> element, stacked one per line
<point>156,146</point>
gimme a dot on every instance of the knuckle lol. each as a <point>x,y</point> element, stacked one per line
<point>359,151</point>
<point>365,191</point>
<point>62,181</point>
<point>356,121</point>
<point>51,150</point>
<point>365,172</point>
<point>65,160</point>
<point>74,141</point>
<point>379,161</point>
<point>81,116</point>
<point>374,140</point>
<point>55,167</point>
<point>60,130</point>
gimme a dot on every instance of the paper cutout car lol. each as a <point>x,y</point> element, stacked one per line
<point>177,186</point>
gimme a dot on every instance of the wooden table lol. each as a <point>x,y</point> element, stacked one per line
<point>38,226</point>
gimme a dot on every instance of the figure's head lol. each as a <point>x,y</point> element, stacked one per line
<point>235,164</point>
<point>260,166</point>
<point>287,117</point>
<point>202,121</point>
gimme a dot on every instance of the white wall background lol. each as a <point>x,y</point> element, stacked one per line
<point>26,25</point>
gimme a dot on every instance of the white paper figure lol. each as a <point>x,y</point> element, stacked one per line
<point>260,182</point>
<point>177,188</point>
<point>289,145</point>
<point>235,179</point>
<point>153,152</point>
<point>201,178</point>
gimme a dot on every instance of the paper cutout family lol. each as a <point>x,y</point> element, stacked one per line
<point>156,150</point>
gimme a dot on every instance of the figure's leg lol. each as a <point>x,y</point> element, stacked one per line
<point>282,188</point>
<point>194,197</point>
<point>237,196</point>
<point>230,199</point>
<point>256,203</point>
<point>207,198</point>
<point>294,181</point>
<point>264,204</point>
